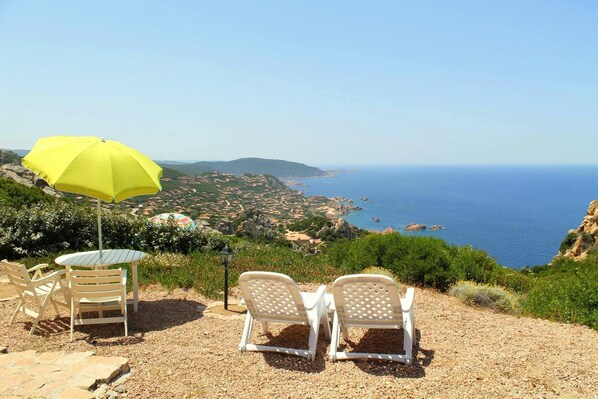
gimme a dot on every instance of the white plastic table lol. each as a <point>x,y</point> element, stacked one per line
<point>109,257</point>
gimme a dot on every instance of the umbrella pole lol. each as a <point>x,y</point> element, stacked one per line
<point>100,226</point>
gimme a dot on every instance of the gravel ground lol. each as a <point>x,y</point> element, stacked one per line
<point>177,349</point>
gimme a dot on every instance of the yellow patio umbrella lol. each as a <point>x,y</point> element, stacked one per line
<point>103,169</point>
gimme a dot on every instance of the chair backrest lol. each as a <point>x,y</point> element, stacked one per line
<point>272,297</point>
<point>367,300</point>
<point>96,285</point>
<point>18,276</point>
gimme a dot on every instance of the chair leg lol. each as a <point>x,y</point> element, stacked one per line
<point>14,315</point>
<point>72,318</point>
<point>246,332</point>
<point>124,309</point>
<point>56,308</point>
<point>42,308</point>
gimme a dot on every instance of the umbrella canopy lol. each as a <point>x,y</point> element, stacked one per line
<point>182,221</point>
<point>102,169</point>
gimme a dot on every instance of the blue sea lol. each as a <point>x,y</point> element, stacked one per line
<point>517,214</point>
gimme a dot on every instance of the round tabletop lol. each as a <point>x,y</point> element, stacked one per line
<point>95,259</point>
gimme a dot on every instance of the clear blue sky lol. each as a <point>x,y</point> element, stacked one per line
<point>338,82</point>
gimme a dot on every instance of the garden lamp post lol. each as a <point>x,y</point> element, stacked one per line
<point>227,257</point>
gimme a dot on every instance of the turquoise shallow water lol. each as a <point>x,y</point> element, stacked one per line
<point>518,214</point>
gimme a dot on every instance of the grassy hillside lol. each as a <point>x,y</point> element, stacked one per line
<point>254,166</point>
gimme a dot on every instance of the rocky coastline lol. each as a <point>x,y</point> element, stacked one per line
<point>584,239</point>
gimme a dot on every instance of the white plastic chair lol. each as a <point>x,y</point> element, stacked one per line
<point>371,301</point>
<point>41,290</point>
<point>275,298</point>
<point>98,291</point>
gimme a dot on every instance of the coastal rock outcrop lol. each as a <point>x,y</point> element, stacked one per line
<point>24,176</point>
<point>205,227</point>
<point>580,242</point>
<point>257,226</point>
<point>341,228</point>
<point>225,226</point>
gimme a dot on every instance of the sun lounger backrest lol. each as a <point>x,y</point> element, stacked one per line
<point>367,300</point>
<point>272,297</point>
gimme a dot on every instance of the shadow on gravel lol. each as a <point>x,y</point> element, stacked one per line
<point>391,342</point>
<point>296,337</point>
<point>152,316</point>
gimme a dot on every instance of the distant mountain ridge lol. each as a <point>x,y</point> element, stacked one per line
<point>254,166</point>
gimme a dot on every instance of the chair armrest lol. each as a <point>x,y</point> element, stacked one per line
<point>37,267</point>
<point>38,270</point>
<point>312,299</point>
<point>50,277</point>
<point>407,300</point>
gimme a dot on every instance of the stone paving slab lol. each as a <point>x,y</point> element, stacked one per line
<point>56,375</point>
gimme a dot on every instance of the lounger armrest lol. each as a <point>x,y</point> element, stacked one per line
<point>315,298</point>
<point>50,277</point>
<point>407,300</point>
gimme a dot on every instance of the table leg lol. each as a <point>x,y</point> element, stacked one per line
<point>135,287</point>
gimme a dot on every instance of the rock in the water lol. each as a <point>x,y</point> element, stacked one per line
<point>436,227</point>
<point>415,227</point>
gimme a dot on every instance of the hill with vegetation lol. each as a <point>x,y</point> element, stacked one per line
<point>254,166</point>
<point>36,228</point>
<point>8,156</point>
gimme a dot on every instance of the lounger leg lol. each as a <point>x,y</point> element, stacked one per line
<point>345,333</point>
<point>124,309</point>
<point>325,321</point>
<point>334,342</point>
<point>408,339</point>
<point>265,327</point>
<point>246,332</point>
<point>314,328</point>
<point>413,328</point>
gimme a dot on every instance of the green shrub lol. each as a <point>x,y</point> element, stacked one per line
<point>566,292</point>
<point>63,226</point>
<point>483,295</point>
<point>568,242</point>
<point>473,264</point>
<point>205,273</point>
<point>15,195</point>
<point>515,280</point>
<point>424,261</point>
<point>378,270</point>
